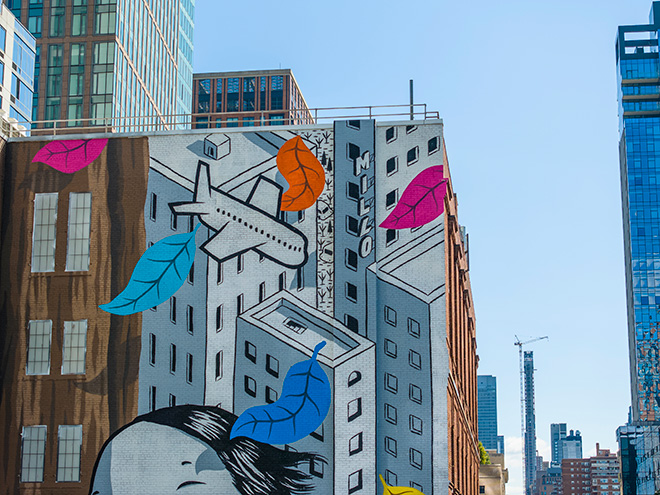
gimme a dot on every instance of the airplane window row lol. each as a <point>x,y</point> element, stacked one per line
<point>260,231</point>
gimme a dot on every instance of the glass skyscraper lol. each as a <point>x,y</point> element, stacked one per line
<point>638,73</point>
<point>487,407</point>
<point>99,60</point>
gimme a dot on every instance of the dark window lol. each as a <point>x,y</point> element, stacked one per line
<point>282,281</point>
<point>413,155</point>
<point>189,368</point>
<point>218,318</point>
<point>353,151</point>
<point>351,259</point>
<point>390,198</point>
<point>189,320</point>
<point>391,446</point>
<point>220,274</point>
<point>391,165</point>
<point>390,236</point>
<point>153,207</point>
<point>262,291</point>
<point>433,145</point>
<point>482,489</point>
<point>271,395</point>
<point>390,316</point>
<point>413,327</point>
<point>251,351</point>
<point>352,191</point>
<point>239,304</point>
<point>390,414</point>
<point>191,274</point>
<point>415,394</point>
<point>301,215</point>
<point>354,409</point>
<point>410,128</point>
<point>152,398</point>
<point>218,365</point>
<point>316,467</point>
<point>173,221</point>
<point>318,434</point>
<point>351,292</point>
<point>390,348</point>
<point>250,386</point>
<point>173,309</point>
<point>354,377</point>
<point>352,225</point>
<point>239,263</point>
<point>390,134</point>
<point>355,124</point>
<point>351,323</point>
<point>391,383</point>
<point>355,444</point>
<point>172,400</point>
<point>232,94</point>
<point>152,349</point>
<point>172,358</point>
<point>355,481</point>
<point>272,365</point>
<point>299,278</point>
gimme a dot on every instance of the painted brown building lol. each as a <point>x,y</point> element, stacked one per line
<point>68,375</point>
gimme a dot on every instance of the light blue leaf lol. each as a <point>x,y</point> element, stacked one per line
<point>300,410</point>
<point>158,274</point>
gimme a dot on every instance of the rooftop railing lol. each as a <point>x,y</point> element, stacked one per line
<point>175,122</point>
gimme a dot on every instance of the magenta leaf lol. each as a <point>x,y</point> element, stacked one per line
<point>422,202</point>
<point>71,155</point>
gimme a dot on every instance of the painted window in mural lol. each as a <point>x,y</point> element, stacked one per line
<point>43,234</point>
<point>33,453</point>
<point>80,212</point>
<point>69,441</point>
<point>38,359</point>
<point>75,347</point>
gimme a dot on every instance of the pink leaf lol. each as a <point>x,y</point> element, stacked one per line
<point>72,155</point>
<point>422,202</point>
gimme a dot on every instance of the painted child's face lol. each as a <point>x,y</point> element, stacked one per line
<point>148,458</point>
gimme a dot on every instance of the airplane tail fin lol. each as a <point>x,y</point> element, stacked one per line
<point>202,183</point>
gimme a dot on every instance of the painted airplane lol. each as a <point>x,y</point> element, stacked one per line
<point>244,225</point>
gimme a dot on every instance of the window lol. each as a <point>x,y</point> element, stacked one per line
<point>391,236</point>
<point>352,225</point>
<point>390,414</point>
<point>276,92</point>
<point>271,395</point>
<point>354,409</point>
<point>69,441</point>
<point>250,386</point>
<point>390,348</point>
<point>189,319</point>
<point>262,291</point>
<point>232,122</point>
<point>410,128</point>
<point>391,383</point>
<point>152,349</point>
<point>218,318</point>
<point>272,365</point>
<point>351,323</point>
<point>355,481</point>
<point>39,339</point>
<point>218,365</point>
<point>433,145</point>
<point>416,486</point>
<point>172,401</point>
<point>352,191</point>
<point>355,444</point>
<point>104,16</point>
<point>43,233</point>
<point>239,304</point>
<point>391,478</point>
<point>189,368</point>
<point>351,292</point>
<point>74,347</point>
<point>77,252</point>
<point>390,198</point>
<point>415,359</point>
<point>316,467</point>
<point>390,134</point>
<point>57,11</point>
<point>153,207</point>
<point>390,316</point>
<point>391,165</point>
<point>103,58</point>
<point>416,458</point>
<point>300,278</point>
<point>191,274</point>
<point>390,446</point>
<point>79,18</point>
<point>219,274</point>
<point>482,489</point>
<point>415,424</point>
<point>319,433</point>
<point>413,155</point>
<point>351,260</point>
<point>354,377</point>
<point>282,281</point>
<point>33,447</point>
<point>152,398</point>
<point>251,351</point>
<point>415,393</point>
<point>172,358</point>
<point>413,328</point>
<point>173,309</point>
<point>203,96</point>
<point>240,263</point>
<point>301,216</point>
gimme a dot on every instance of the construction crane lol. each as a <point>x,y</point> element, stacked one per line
<point>520,345</point>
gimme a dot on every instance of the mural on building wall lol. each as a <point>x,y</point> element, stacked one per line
<point>69,156</point>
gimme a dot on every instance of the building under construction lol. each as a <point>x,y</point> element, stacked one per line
<point>530,424</point>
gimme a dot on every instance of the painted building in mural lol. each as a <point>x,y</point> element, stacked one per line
<point>250,285</point>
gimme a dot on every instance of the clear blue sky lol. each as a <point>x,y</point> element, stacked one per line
<point>527,92</point>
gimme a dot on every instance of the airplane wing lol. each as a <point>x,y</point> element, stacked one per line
<point>230,241</point>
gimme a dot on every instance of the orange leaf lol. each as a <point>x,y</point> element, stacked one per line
<point>303,172</point>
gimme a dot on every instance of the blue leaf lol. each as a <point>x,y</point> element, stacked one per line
<point>159,273</point>
<point>300,410</point>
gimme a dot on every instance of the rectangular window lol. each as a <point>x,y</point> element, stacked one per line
<point>218,95</point>
<point>391,478</point>
<point>250,386</point>
<point>152,349</point>
<point>105,16</point>
<point>413,155</point>
<point>390,316</point>
<point>415,393</point>
<point>413,328</point>
<point>391,383</point>
<point>415,359</point>
<point>352,225</point>
<point>153,206</point>
<point>390,198</point>
<point>416,458</point>
<point>232,97</point>
<point>190,319</point>
<point>57,11</point>
<point>239,304</point>
<point>415,424</point>
<point>317,468</point>
<point>173,221</point>
<point>43,233</point>
<point>391,165</point>
<point>354,409</point>
<point>191,274</point>
<point>433,145</point>
<point>69,442</point>
<point>172,358</point>
<point>79,18</point>
<point>351,292</point>
<point>251,351</point>
<point>355,481</point>
<point>262,291</point>
<point>271,395</point>
<point>240,263</point>
<point>173,309</point>
<point>391,236</point>
<point>248,94</point>
<point>391,446</point>
<point>355,444</point>
<point>390,414</point>
<point>74,348</point>
<point>300,275</point>
<point>351,259</point>
<point>80,213</point>
<point>218,318</point>
<point>152,398</point>
<point>390,134</point>
<point>272,365</point>
<point>189,368</point>
<point>351,323</point>
<point>218,365</point>
<point>390,348</point>
<point>282,281</point>
<point>39,341</point>
<point>172,400</point>
<point>352,191</point>
<point>33,449</point>
<point>220,274</point>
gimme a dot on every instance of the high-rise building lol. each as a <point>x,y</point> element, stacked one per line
<point>110,59</point>
<point>530,423</point>
<point>557,434</point>
<point>487,401</point>
<point>571,446</point>
<point>248,98</point>
<point>638,71</point>
<point>394,306</point>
